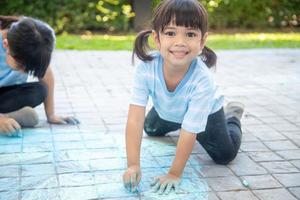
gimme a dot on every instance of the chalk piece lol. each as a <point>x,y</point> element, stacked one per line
<point>245,183</point>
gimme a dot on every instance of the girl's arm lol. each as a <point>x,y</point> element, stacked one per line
<point>165,183</point>
<point>134,133</point>
<point>184,148</point>
<point>48,80</point>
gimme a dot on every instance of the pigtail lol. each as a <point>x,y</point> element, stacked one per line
<point>209,57</point>
<point>6,21</point>
<point>141,46</point>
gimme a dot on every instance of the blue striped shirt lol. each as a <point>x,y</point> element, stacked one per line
<point>194,98</point>
<point>7,75</point>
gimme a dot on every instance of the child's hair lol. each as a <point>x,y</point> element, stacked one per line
<point>188,13</point>
<point>6,21</point>
<point>31,43</point>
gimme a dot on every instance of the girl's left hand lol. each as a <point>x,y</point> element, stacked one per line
<point>164,184</point>
<point>54,119</point>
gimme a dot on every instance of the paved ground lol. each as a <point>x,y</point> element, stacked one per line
<point>87,161</point>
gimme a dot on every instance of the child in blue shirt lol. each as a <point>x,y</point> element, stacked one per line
<point>183,91</point>
<point>26,48</point>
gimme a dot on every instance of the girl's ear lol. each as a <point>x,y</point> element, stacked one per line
<point>5,43</point>
<point>156,39</point>
<point>203,41</point>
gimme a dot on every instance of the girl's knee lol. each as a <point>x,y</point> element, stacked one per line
<point>42,91</point>
<point>152,131</point>
<point>38,93</point>
<point>225,157</point>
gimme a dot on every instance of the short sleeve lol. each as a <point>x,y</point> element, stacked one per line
<point>140,91</point>
<point>199,108</point>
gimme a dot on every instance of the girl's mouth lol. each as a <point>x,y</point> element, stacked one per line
<point>179,54</point>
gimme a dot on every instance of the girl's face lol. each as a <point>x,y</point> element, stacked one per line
<point>179,45</point>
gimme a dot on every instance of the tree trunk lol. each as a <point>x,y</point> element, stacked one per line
<point>143,13</point>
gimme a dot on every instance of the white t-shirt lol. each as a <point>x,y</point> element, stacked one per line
<point>189,104</point>
<point>7,75</point>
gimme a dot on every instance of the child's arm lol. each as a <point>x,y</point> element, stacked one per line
<point>164,184</point>
<point>134,133</point>
<point>48,79</point>
<point>184,148</point>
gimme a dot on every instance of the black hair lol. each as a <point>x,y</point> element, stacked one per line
<point>188,13</point>
<point>6,21</point>
<point>31,43</point>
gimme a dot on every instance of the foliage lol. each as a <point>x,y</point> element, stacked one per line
<point>74,15</point>
<point>116,15</point>
<point>252,13</point>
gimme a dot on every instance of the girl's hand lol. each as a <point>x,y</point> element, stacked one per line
<point>132,177</point>
<point>54,119</point>
<point>164,184</point>
<point>9,127</point>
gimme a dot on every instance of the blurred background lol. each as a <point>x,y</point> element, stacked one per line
<point>98,24</point>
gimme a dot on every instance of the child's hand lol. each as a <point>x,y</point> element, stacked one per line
<point>54,119</point>
<point>164,184</point>
<point>9,127</point>
<point>132,177</point>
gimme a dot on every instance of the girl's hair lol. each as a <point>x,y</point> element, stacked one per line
<point>6,21</point>
<point>188,13</point>
<point>31,43</point>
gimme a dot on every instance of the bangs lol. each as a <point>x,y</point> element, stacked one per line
<point>185,13</point>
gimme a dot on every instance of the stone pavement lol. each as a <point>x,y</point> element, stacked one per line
<point>87,161</point>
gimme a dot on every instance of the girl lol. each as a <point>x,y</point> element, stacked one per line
<point>26,48</point>
<point>183,92</point>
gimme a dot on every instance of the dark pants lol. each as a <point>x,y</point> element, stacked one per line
<point>221,138</point>
<point>15,97</point>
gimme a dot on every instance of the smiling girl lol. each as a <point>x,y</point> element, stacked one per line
<point>184,94</point>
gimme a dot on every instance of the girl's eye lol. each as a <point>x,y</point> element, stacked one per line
<point>170,33</point>
<point>191,34</point>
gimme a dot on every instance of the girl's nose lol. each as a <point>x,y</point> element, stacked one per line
<point>180,40</point>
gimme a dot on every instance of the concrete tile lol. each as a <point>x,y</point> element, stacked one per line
<point>215,171</point>
<point>38,182</point>
<point>296,163</point>
<point>50,193</point>
<point>245,195</point>
<point>212,196</point>
<point>243,165</point>
<point>274,194</point>
<point>262,182</point>
<point>7,184</point>
<point>72,167</point>
<point>289,154</point>
<point>37,147</point>
<point>75,179</point>
<point>288,180</point>
<point>10,195</point>
<point>295,191</point>
<point>225,183</point>
<point>78,193</point>
<point>38,169</point>
<point>264,156</point>
<point>279,167</point>
<point>269,135</point>
<point>253,146</point>
<point>280,145</point>
<point>10,171</point>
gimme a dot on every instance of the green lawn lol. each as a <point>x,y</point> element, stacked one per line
<point>215,41</point>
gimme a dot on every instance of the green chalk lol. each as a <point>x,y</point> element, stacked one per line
<point>245,183</point>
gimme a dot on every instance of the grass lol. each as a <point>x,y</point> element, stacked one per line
<point>215,41</point>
